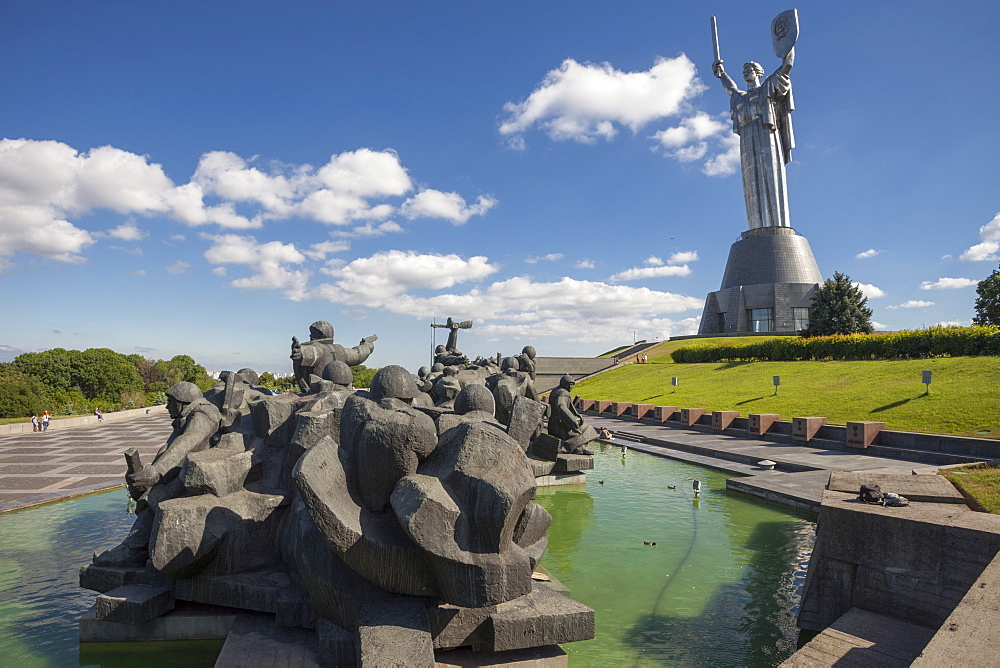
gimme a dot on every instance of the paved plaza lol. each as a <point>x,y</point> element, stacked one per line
<point>39,467</point>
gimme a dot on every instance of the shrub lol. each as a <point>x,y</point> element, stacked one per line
<point>931,342</point>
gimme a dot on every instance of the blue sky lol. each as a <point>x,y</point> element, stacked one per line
<point>210,178</point>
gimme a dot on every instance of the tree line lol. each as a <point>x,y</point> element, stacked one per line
<point>72,382</point>
<point>75,382</point>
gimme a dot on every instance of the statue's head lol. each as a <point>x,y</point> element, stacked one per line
<point>393,382</point>
<point>475,398</point>
<point>529,351</point>
<point>339,373</point>
<point>440,350</point>
<point>320,329</point>
<point>423,371</point>
<point>510,363</point>
<point>451,371</point>
<point>752,71</point>
<point>567,382</point>
<point>248,376</point>
<point>437,367</point>
<point>180,395</point>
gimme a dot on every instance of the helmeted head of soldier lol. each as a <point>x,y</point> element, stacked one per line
<point>475,397</point>
<point>437,367</point>
<point>510,364</point>
<point>320,329</point>
<point>529,351</point>
<point>394,382</point>
<point>180,395</point>
<point>248,376</point>
<point>338,372</point>
<point>567,382</point>
<point>422,372</point>
<point>440,350</point>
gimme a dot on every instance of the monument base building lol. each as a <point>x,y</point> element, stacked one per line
<point>770,279</point>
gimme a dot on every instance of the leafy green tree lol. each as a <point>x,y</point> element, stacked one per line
<point>362,375</point>
<point>21,395</point>
<point>838,307</point>
<point>103,374</point>
<point>54,368</point>
<point>988,301</point>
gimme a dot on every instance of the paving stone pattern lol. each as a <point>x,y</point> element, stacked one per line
<point>45,466</point>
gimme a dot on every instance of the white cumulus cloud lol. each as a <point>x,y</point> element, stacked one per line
<point>913,303</point>
<point>637,273</point>
<point>870,291</point>
<point>586,101</point>
<point>871,252</point>
<point>431,203</point>
<point>178,267</point>
<point>127,231</point>
<point>948,284</point>
<point>47,186</point>
<point>551,257</point>
<point>987,249</point>
<point>683,257</point>
<point>268,262</point>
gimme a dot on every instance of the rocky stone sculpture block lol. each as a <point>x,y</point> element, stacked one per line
<point>570,463</point>
<point>760,423</point>
<point>543,617</point>
<point>547,447</point>
<point>863,434</point>
<point>211,535</point>
<point>525,418</point>
<point>216,471</point>
<point>722,419</point>
<point>805,428</point>
<point>134,604</point>
<point>394,632</point>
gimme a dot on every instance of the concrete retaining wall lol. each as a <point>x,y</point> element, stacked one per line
<point>936,449</point>
<point>82,421</point>
<point>913,563</point>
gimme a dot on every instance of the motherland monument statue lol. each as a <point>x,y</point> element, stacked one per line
<point>771,273</point>
<point>762,117</point>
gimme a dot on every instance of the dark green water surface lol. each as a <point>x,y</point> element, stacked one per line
<point>720,587</point>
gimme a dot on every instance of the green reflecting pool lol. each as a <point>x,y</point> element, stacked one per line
<point>719,588</point>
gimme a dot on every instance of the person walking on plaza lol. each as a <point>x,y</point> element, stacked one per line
<point>34,423</point>
<point>45,421</point>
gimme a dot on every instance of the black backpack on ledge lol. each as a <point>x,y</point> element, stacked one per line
<point>870,494</point>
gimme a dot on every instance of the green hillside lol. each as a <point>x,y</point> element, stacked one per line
<point>964,397</point>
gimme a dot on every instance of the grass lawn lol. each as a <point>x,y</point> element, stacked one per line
<point>980,484</point>
<point>964,397</point>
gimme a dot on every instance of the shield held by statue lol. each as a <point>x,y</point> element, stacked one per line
<point>784,32</point>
